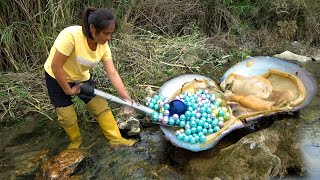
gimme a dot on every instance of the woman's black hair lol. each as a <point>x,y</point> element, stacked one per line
<point>100,18</point>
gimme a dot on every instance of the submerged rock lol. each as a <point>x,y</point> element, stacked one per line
<point>66,164</point>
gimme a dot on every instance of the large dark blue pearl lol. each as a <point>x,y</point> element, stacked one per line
<point>177,107</point>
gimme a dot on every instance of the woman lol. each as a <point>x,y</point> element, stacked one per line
<point>76,50</point>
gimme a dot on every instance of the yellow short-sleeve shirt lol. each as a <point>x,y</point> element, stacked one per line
<point>73,43</point>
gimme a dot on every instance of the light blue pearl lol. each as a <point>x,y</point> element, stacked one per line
<point>208,96</point>
<point>151,105</point>
<point>187,113</point>
<point>199,128</point>
<point>210,131</point>
<point>200,91</point>
<point>171,121</point>
<point>193,140</point>
<point>209,110</point>
<point>193,123</point>
<point>217,103</point>
<point>189,104</point>
<point>180,136</point>
<point>203,109</point>
<point>156,107</point>
<point>182,117</point>
<point>200,122</point>
<point>206,125</point>
<point>202,138</point>
<point>193,101</point>
<point>195,106</point>
<point>216,129</point>
<point>190,108</point>
<point>193,129</point>
<point>209,120</point>
<point>203,119</point>
<point>205,131</point>
<point>196,137</point>
<point>204,114</point>
<point>155,116</point>
<point>156,97</point>
<point>166,106</point>
<point>215,122</point>
<point>177,121</point>
<point>221,113</point>
<point>182,123</point>
<point>188,131</point>
<point>193,113</point>
<point>153,101</point>
<point>186,138</point>
<point>192,118</point>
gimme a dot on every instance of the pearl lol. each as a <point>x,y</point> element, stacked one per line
<point>193,140</point>
<point>193,123</point>
<point>200,133</point>
<point>177,132</point>
<point>156,107</point>
<point>166,112</point>
<point>200,123</point>
<point>187,126</point>
<point>198,115</point>
<point>215,122</point>
<point>193,129</point>
<point>165,120</point>
<point>182,117</point>
<point>182,123</point>
<point>204,114</point>
<point>166,106</point>
<point>190,108</point>
<point>151,105</point>
<point>188,131</point>
<point>202,138</point>
<point>227,116</point>
<point>206,125</point>
<point>171,121</point>
<point>155,116</point>
<point>175,116</point>
<point>187,114</point>
<point>156,97</point>
<point>220,124</point>
<point>161,103</point>
<point>216,129</point>
<point>210,131</point>
<point>206,91</point>
<point>186,138</point>
<point>177,121</point>
<point>180,136</point>
<point>199,128</point>
<point>224,109</point>
<point>209,120</point>
<point>221,112</point>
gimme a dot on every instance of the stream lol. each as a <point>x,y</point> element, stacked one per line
<point>26,146</point>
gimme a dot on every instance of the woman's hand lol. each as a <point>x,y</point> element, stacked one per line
<point>128,110</point>
<point>74,89</point>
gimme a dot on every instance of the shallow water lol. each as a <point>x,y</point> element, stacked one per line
<point>153,156</point>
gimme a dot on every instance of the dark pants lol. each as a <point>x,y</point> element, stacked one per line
<point>57,96</point>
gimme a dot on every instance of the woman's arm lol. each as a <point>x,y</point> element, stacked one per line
<point>115,79</point>
<point>57,68</point>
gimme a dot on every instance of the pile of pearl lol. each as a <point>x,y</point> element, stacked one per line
<point>204,115</point>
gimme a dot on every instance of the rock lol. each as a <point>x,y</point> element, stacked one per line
<point>291,56</point>
<point>28,163</point>
<point>166,172</point>
<point>264,154</point>
<point>131,125</point>
<point>66,164</point>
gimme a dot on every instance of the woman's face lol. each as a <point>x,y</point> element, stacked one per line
<point>103,36</point>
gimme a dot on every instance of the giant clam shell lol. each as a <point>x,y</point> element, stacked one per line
<point>254,66</point>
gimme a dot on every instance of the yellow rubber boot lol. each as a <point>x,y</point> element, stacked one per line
<point>99,107</point>
<point>67,118</point>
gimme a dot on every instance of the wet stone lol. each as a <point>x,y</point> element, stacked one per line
<point>66,164</point>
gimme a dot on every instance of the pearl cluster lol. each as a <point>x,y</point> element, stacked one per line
<point>204,115</point>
